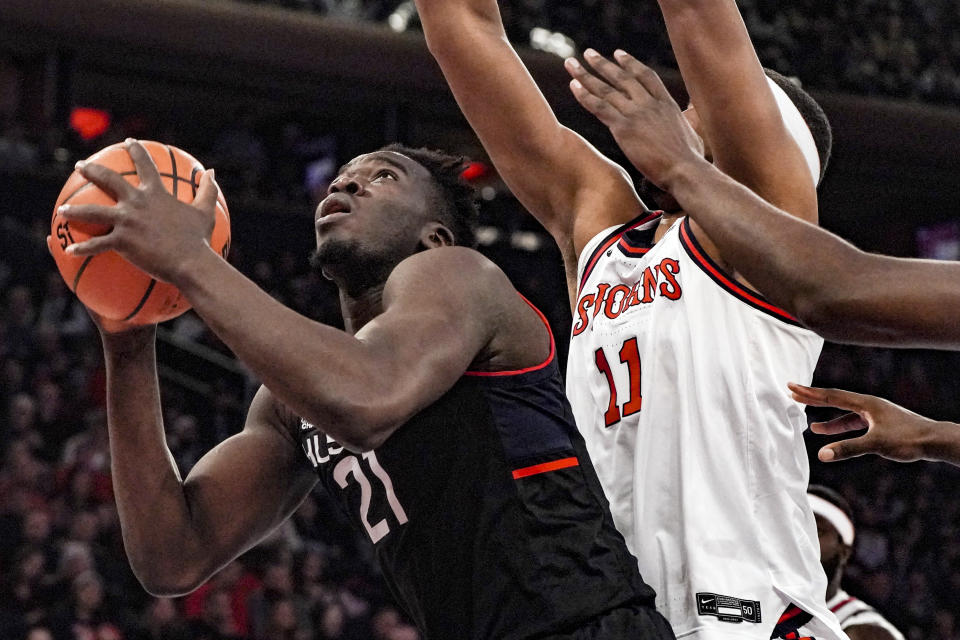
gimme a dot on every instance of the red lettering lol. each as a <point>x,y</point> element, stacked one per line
<point>649,279</point>
<point>621,304</point>
<point>585,303</point>
<point>601,295</point>
<point>671,288</point>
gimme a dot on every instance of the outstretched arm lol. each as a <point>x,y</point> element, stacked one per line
<point>739,114</point>
<point>892,431</point>
<point>177,533</point>
<point>558,176</point>
<point>842,293</point>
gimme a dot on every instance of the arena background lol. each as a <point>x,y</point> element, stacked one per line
<point>275,96</point>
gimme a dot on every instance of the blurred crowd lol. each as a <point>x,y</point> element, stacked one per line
<point>904,48</point>
<point>63,572</point>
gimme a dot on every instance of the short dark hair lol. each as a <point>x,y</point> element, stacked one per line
<point>833,497</point>
<point>458,208</point>
<point>812,114</point>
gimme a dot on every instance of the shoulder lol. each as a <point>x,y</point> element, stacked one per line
<point>453,273</point>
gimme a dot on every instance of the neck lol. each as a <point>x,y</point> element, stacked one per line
<point>665,223</point>
<point>360,308</point>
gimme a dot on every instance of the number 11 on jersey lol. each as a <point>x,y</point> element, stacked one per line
<point>630,356</point>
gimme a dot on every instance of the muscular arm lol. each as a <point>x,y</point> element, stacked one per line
<point>177,532</point>
<point>842,293</point>
<point>558,176</point>
<point>739,115</point>
<point>438,315</point>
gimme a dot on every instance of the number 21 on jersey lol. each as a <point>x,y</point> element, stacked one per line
<point>350,466</point>
<point>630,356</point>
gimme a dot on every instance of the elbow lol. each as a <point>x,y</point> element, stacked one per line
<point>357,426</point>
<point>171,581</point>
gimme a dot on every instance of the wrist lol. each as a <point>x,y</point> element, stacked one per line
<point>941,442</point>
<point>129,341</point>
<point>685,175</point>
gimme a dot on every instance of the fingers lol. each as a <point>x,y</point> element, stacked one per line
<point>91,247</point>
<point>50,245</point>
<point>589,86</point>
<point>846,449</point>
<point>843,424</point>
<point>599,107</point>
<point>615,76</point>
<point>816,397</point>
<point>206,198</point>
<point>643,74</point>
<point>146,168</point>
<point>107,179</point>
<point>94,213</point>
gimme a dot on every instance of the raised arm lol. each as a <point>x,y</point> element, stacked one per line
<point>736,107</point>
<point>177,533</point>
<point>842,293</point>
<point>558,176</point>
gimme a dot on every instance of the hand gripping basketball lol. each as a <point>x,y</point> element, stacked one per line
<point>126,230</point>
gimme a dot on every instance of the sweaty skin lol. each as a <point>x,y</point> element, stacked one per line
<point>411,335</point>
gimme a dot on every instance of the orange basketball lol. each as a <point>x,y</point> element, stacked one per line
<point>107,283</point>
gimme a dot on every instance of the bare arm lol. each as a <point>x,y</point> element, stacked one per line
<point>440,308</point>
<point>841,292</point>
<point>891,431</point>
<point>739,114</point>
<point>177,532</point>
<point>361,388</point>
<point>558,176</point>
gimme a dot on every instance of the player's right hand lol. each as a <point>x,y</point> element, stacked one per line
<point>892,431</point>
<point>630,98</point>
<point>106,326</point>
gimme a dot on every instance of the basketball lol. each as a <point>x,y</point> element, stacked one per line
<point>106,283</point>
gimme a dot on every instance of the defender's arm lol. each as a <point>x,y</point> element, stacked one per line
<point>892,431</point>
<point>738,112</point>
<point>558,176</point>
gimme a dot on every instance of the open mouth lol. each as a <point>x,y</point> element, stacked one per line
<point>334,206</point>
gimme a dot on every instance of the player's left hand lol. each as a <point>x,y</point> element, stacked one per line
<point>645,120</point>
<point>149,226</point>
<point>892,431</point>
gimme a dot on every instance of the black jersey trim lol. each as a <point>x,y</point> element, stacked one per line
<point>613,236</point>
<point>517,372</point>
<point>722,278</point>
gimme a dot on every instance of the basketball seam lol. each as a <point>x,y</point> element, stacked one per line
<point>175,179</point>
<point>143,300</point>
<point>83,267</point>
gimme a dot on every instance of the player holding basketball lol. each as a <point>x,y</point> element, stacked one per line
<point>677,367</point>
<point>836,531</point>
<point>437,419</point>
<point>849,295</point>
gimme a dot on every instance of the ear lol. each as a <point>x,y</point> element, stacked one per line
<point>845,552</point>
<point>436,235</point>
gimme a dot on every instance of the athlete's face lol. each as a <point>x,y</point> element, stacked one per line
<point>375,212</point>
<point>833,552</point>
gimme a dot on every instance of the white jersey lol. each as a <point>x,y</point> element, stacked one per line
<point>678,378</point>
<point>853,612</point>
